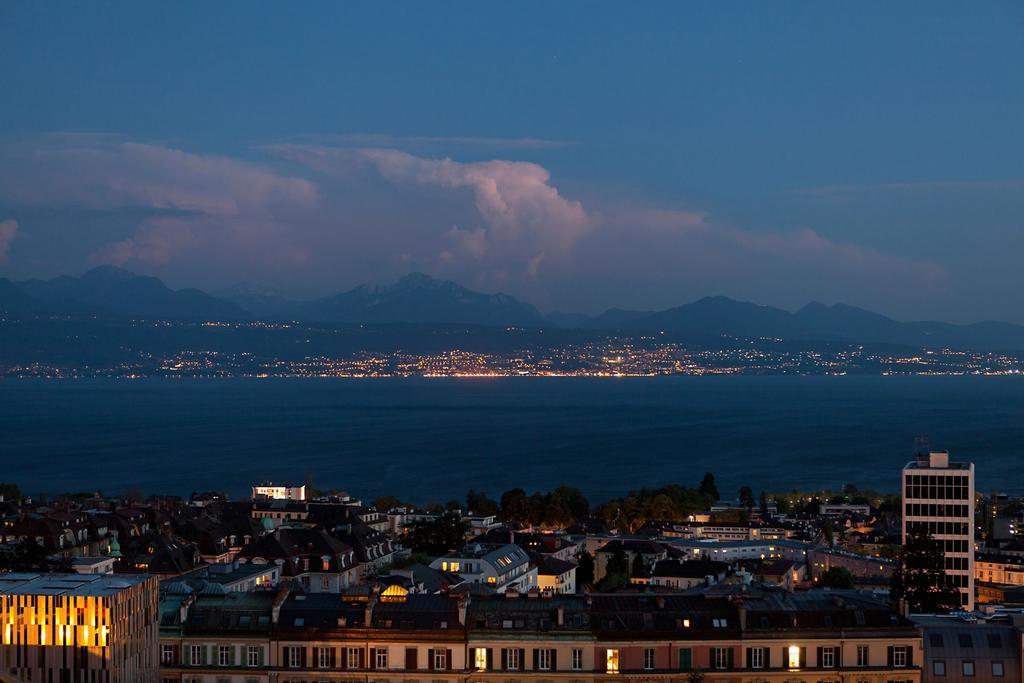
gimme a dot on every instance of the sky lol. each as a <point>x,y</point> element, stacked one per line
<point>578,155</point>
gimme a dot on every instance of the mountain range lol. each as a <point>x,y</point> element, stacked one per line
<point>419,299</point>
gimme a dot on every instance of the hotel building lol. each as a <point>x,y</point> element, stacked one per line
<point>78,628</point>
<point>938,496</point>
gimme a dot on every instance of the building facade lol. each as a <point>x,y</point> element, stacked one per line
<point>756,637</point>
<point>79,627</point>
<point>938,497</point>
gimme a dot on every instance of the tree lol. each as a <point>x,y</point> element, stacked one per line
<point>827,532</point>
<point>435,537</point>
<point>616,571</point>
<point>764,504</point>
<point>707,486</point>
<point>920,580</point>
<point>837,577</point>
<point>479,503</point>
<point>747,497</point>
<point>514,506</point>
<point>386,503</point>
<point>585,569</point>
<point>10,492</point>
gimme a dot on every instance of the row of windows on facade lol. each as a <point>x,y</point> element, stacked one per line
<point>945,528</point>
<point>937,487</point>
<point>544,659</point>
<point>967,668</point>
<point>938,510</point>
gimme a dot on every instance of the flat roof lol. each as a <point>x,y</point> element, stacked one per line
<point>22,583</point>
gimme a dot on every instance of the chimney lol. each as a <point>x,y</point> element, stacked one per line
<point>370,605</point>
<point>275,609</point>
<point>511,594</point>
<point>743,617</point>
<point>463,607</point>
<point>183,609</point>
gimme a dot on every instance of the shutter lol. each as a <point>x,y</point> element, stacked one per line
<point>819,655</point>
<point>554,659</point>
<point>910,655</point>
<point>803,658</point>
<point>373,658</point>
<point>362,658</point>
<point>750,658</point>
<point>536,659</point>
<point>305,660</point>
<point>410,659</point>
<point>728,658</point>
<point>685,659</point>
<point>334,658</point>
<point>522,659</point>
<point>490,659</point>
<point>430,659</point>
<point>504,659</point>
<point>891,656</point>
<point>767,657</point>
<point>838,657</point>
<point>785,657</point>
<point>234,655</point>
<point>448,659</point>
<point>261,660</point>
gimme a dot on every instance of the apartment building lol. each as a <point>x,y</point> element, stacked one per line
<point>500,567</point>
<point>78,627</point>
<point>938,496</point>
<point>751,636</point>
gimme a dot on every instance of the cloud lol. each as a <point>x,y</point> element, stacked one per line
<point>200,202</point>
<point>8,231</point>
<point>523,219</point>
<point>375,213</point>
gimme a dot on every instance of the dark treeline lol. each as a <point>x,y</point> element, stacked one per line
<point>564,505</point>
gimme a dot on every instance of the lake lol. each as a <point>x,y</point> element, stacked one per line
<point>429,440</point>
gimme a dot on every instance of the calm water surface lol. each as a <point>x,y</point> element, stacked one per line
<point>431,440</point>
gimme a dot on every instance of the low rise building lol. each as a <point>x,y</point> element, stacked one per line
<point>499,567</point>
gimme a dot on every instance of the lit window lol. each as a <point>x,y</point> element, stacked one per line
<point>480,659</point>
<point>612,661</point>
<point>794,657</point>
<point>454,566</point>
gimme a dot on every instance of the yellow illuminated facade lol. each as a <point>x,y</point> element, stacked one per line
<point>60,622</point>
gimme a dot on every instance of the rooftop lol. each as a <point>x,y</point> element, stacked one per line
<point>67,584</point>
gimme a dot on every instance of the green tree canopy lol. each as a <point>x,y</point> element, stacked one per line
<point>435,537</point>
<point>920,579</point>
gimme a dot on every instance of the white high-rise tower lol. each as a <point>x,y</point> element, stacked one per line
<point>938,495</point>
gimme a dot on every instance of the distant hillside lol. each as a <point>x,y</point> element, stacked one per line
<point>418,298</point>
<point>119,292</point>
<point>815,321</point>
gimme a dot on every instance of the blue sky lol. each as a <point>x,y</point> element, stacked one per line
<point>580,155</point>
